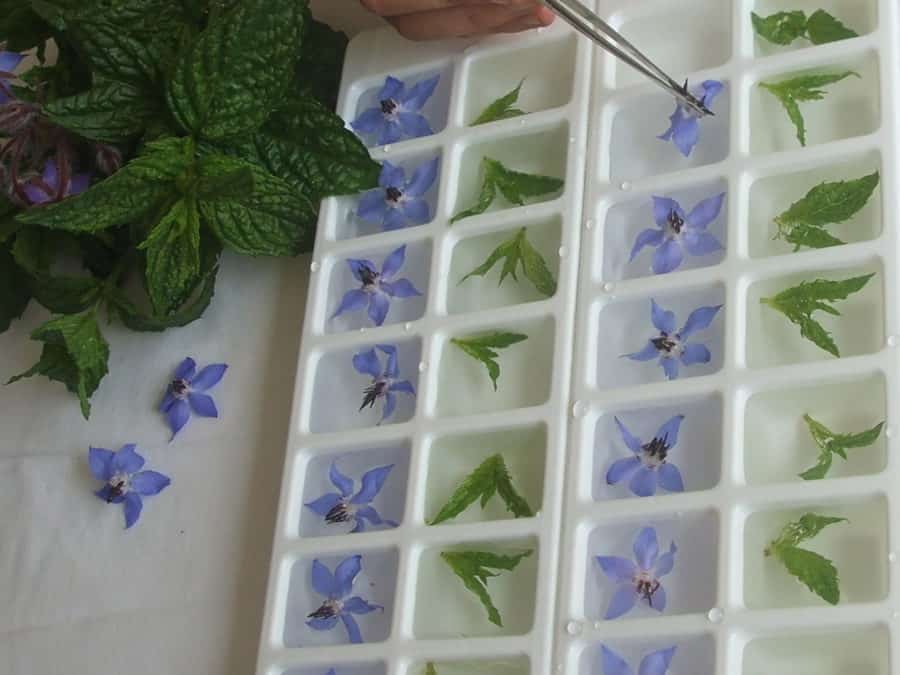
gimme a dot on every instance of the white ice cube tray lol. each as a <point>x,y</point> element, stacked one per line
<point>593,122</point>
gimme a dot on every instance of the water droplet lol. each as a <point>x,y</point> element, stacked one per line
<point>895,615</point>
<point>314,266</point>
<point>522,123</point>
<point>407,326</point>
<point>715,615</point>
<point>609,287</point>
<point>563,251</point>
<point>579,409</point>
<point>387,148</point>
<point>572,139</point>
<point>626,185</point>
<point>893,341</point>
<point>574,628</point>
<point>892,557</point>
<point>541,29</point>
<point>889,432</point>
<point>363,329</point>
<point>598,625</point>
<point>422,366</point>
<point>589,224</point>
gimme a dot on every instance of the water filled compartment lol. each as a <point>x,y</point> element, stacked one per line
<point>777,442</point>
<point>858,15</point>
<point>772,340</point>
<point>339,389</point>
<point>690,587</point>
<point>625,327</point>
<point>526,371</point>
<point>446,609</point>
<point>860,650</point>
<point>684,37</point>
<point>858,549</point>
<point>416,269</point>
<point>451,458</point>
<point>436,108</point>
<point>547,67</point>
<point>374,583</point>
<point>850,108</point>
<point>355,464</point>
<point>348,223</point>
<point>340,669</point>
<point>636,152</point>
<point>508,665</point>
<point>694,654</point>
<point>485,292</point>
<point>772,195</point>
<point>697,452</point>
<point>543,152</point>
<point>625,220</point>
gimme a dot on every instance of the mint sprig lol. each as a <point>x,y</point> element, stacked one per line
<point>783,28</point>
<point>514,252</point>
<point>430,668</point>
<point>800,302</point>
<point>484,348</point>
<point>831,443</point>
<point>474,568</point>
<point>801,89</point>
<point>501,109</point>
<point>489,478</point>
<point>515,187</point>
<point>815,571</point>
<point>803,224</point>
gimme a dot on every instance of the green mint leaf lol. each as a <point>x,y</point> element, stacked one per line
<point>110,111</point>
<point>800,302</point>
<point>126,197</point>
<point>482,348</point>
<point>173,257</point>
<point>823,28</point>
<point>74,353</point>
<point>796,532</point>
<point>230,78</point>
<point>318,72</point>
<point>489,478</point>
<point>825,204</point>
<point>781,28</point>
<point>211,185</point>
<point>14,289</point>
<point>518,251</point>
<point>515,186</point>
<point>487,194</point>
<point>863,439</point>
<point>474,568</point>
<point>831,443</point>
<point>430,669</point>
<point>815,571</point>
<point>802,88</point>
<point>502,108</point>
<point>821,468</point>
<point>116,54</point>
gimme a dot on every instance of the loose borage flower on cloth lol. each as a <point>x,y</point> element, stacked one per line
<point>671,346</point>
<point>815,571</point>
<point>347,506</point>
<point>649,466</point>
<point>385,382</point>
<point>399,202</point>
<point>187,393</point>
<point>377,288</point>
<point>684,124</point>
<point>639,580</point>
<point>124,482</point>
<point>655,663</point>
<point>678,233</point>
<point>338,604</point>
<point>398,115</point>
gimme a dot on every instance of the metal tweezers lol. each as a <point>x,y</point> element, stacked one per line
<point>591,25</point>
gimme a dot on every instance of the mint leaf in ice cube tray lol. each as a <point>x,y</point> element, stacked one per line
<point>515,251</point>
<point>474,568</point>
<point>783,28</point>
<point>482,348</point>
<point>831,443</point>
<point>502,109</point>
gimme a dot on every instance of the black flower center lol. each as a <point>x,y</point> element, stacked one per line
<point>646,588</point>
<point>117,488</point>
<point>367,275</point>
<point>393,194</point>
<point>373,392</point>
<point>389,106</point>
<point>675,221</point>
<point>665,343</point>
<point>328,610</point>
<point>339,513</point>
<point>180,388</point>
<point>655,451</point>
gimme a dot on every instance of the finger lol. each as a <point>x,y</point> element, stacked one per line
<point>400,7</point>
<point>537,20</point>
<point>456,21</point>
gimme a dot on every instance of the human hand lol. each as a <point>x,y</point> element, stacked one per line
<point>438,19</point>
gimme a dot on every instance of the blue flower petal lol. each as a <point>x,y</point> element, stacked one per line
<point>701,243</point>
<point>367,363</point>
<point>414,125</point>
<point>390,369</point>
<point>646,548</point>
<point>351,302</point>
<point>643,482</point>
<point>167,402</point>
<point>675,119</point>
<point>360,266</point>
<point>657,663</point>
<point>390,133</point>
<point>422,178</point>
<point>352,627</point>
<point>177,416</point>
<point>133,506</point>
<point>686,134</point>
<point>694,354</point>
<point>649,237</point>
<point>340,481</point>
<point>417,210</point>
<point>711,89</point>
<point>662,209</point>
<point>323,581</point>
<point>203,404</point>
<point>391,176</point>
<point>631,441</point>
<point>706,212</point>
<point>622,602</point>
<point>323,624</point>
<point>699,319</point>
<point>613,664</point>
<point>648,353</point>
<point>126,460</point>
<point>368,513</point>
<point>105,493</point>
<point>100,463</point>
<point>369,122</point>
<point>404,386</point>
<point>390,403</point>
<point>670,368</point>
<point>9,61</point>
<point>372,482</point>
<point>666,561</point>
<point>209,377</point>
<point>345,574</point>
<point>356,605</point>
<point>379,305</point>
<point>393,262</point>
<point>402,288</point>
<point>372,207</point>
<point>663,320</point>
<point>394,219</point>
<point>668,257</point>
<point>419,94</point>
<point>670,478</point>
<point>324,504</point>
<point>622,469</point>
<point>669,430</point>
<point>659,600</point>
<point>392,88</point>
<point>149,483</point>
<point>618,570</point>
<point>185,369</point>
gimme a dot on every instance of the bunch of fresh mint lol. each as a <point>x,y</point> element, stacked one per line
<point>163,132</point>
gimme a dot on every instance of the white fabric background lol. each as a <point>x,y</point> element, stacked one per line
<point>183,591</point>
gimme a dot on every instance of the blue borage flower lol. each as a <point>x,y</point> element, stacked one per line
<point>678,233</point>
<point>52,186</point>
<point>384,381</point>
<point>337,605</point>
<point>684,125</point>
<point>186,393</point>
<point>344,506</point>
<point>398,113</point>
<point>640,579</point>
<point>9,61</point>
<point>124,482</point>
<point>398,202</point>
<point>650,464</point>
<point>655,663</point>
<point>672,346</point>
<point>377,288</point>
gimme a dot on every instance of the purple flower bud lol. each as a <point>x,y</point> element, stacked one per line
<point>108,158</point>
<point>16,116</point>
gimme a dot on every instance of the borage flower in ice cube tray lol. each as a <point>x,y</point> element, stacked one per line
<point>385,382</point>
<point>654,663</point>
<point>671,345</point>
<point>398,114</point>
<point>123,481</point>
<point>377,288</point>
<point>345,506</point>
<point>398,202</point>
<point>649,466</point>
<point>684,124</point>
<point>678,233</point>
<point>638,580</point>
<point>336,604</point>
